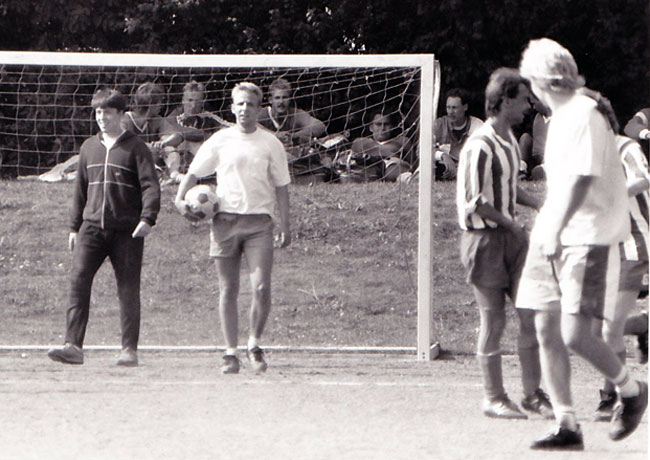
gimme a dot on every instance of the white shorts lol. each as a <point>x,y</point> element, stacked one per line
<point>581,280</point>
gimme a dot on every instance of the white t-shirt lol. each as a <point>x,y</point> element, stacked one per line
<point>581,143</point>
<point>248,166</point>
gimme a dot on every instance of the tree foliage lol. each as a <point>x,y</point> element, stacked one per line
<point>610,40</point>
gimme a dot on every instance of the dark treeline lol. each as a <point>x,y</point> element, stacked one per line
<point>609,38</point>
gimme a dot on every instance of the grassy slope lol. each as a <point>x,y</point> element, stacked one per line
<point>349,278</point>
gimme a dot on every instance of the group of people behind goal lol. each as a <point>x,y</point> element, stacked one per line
<point>591,230</point>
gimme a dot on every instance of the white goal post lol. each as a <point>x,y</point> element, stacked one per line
<point>424,70</point>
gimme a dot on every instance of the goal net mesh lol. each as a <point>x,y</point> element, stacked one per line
<point>45,111</point>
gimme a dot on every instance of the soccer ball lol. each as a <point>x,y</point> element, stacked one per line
<point>202,201</point>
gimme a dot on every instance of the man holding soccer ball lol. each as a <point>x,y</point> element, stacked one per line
<point>252,178</point>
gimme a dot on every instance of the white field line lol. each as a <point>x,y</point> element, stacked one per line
<point>279,348</point>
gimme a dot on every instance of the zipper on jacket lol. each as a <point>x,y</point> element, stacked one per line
<point>102,221</point>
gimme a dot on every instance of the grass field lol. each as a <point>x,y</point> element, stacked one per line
<point>348,279</point>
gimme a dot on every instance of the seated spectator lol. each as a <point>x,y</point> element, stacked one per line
<point>532,144</point>
<point>193,124</point>
<point>144,121</point>
<point>450,133</point>
<point>384,155</point>
<point>293,126</point>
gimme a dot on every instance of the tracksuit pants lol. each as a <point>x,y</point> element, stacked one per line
<point>125,253</point>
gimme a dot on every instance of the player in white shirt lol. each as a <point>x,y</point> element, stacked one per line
<point>252,178</point>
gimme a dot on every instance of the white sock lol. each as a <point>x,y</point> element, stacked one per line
<point>566,417</point>
<point>626,386</point>
<point>231,351</point>
<point>253,342</point>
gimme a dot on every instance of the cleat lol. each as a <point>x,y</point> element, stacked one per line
<point>256,359</point>
<point>539,403</point>
<point>628,414</point>
<point>605,407</point>
<point>230,364</point>
<point>68,354</point>
<point>503,407</point>
<point>561,439</point>
<point>128,358</point>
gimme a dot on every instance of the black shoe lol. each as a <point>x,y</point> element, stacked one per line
<point>561,439</point>
<point>230,364</point>
<point>539,403</point>
<point>256,359</point>
<point>628,414</point>
<point>606,406</point>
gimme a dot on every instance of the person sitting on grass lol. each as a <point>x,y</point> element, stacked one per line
<point>193,124</point>
<point>144,120</point>
<point>294,127</point>
<point>115,204</point>
<point>385,154</point>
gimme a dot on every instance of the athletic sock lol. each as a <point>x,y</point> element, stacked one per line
<point>531,371</point>
<point>490,365</point>
<point>253,342</point>
<point>567,417</point>
<point>231,351</point>
<point>626,386</point>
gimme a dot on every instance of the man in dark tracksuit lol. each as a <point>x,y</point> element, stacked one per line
<point>116,201</point>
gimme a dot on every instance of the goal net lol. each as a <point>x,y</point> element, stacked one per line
<point>45,112</point>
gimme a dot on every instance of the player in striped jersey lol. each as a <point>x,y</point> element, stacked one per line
<point>633,252</point>
<point>493,245</point>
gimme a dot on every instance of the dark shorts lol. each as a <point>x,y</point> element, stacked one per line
<point>632,275</point>
<point>232,234</point>
<point>493,258</point>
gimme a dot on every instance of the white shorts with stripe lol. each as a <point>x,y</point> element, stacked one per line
<point>581,280</point>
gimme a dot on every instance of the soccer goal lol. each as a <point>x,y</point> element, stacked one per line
<point>45,111</point>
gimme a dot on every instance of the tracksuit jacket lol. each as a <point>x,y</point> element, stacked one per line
<point>117,188</point>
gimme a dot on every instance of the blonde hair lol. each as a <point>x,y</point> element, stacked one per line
<point>551,66</point>
<point>248,87</point>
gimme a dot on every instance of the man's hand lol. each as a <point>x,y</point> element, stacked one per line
<point>551,245</point>
<point>185,211</point>
<point>142,230</point>
<point>283,239</point>
<point>72,240</point>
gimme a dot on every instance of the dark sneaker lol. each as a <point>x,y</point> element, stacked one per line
<point>539,403</point>
<point>68,354</point>
<point>230,364</point>
<point>128,358</point>
<point>628,414</point>
<point>502,408</point>
<point>605,407</point>
<point>643,347</point>
<point>256,359</point>
<point>561,439</point>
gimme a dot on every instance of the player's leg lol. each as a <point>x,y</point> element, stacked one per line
<point>588,276</point>
<point>258,251</point>
<point>613,332</point>
<point>491,302</point>
<point>126,257</point>
<point>88,255</point>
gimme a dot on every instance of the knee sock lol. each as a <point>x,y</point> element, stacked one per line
<point>490,365</point>
<point>609,387</point>
<point>531,370</point>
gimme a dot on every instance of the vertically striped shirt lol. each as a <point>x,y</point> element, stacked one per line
<point>487,174</point>
<point>635,247</point>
